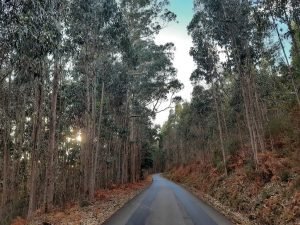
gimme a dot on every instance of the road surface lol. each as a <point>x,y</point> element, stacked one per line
<point>166,203</point>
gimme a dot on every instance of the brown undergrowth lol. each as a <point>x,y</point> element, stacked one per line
<point>267,196</point>
<point>107,202</point>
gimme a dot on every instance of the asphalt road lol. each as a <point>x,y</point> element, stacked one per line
<point>166,203</point>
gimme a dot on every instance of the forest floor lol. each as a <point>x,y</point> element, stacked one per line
<point>267,196</point>
<point>107,202</point>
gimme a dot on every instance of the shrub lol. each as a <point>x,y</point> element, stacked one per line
<point>250,169</point>
<point>84,203</point>
<point>296,185</point>
<point>280,125</point>
<point>285,175</point>
<point>233,145</point>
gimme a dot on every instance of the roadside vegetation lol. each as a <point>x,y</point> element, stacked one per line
<point>238,140</point>
<point>107,202</point>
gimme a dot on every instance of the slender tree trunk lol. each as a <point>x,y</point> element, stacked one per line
<point>132,147</point>
<point>37,122</point>
<point>119,166</point>
<point>247,92</point>
<point>6,156</point>
<point>220,129</point>
<point>95,163</point>
<point>224,122</point>
<point>239,131</point>
<point>19,140</point>
<point>5,172</point>
<point>249,119</point>
<point>292,32</point>
<point>287,62</point>
<point>50,170</point>
<point>126,141</point>
<point>87,140</point>
<point>259,117</point>
<point>92,139</point>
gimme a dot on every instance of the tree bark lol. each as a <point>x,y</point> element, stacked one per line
<point>37,121</point>
<point>220,128</point>
<point>50,170</point>
<point>287,61</point>
<point>95,163</point>
<point>6,156</point>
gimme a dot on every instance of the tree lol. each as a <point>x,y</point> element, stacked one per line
<point>247,83</point>
<point>78,79</point>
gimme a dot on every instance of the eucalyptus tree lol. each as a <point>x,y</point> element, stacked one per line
<point>239,29</point>
<point>5,69</point>
<point>206,56</point>
<point>285,13</point>
<point>59,60</point>
<point>235,53</point>
<point>33,35</point>
<point>295,57</point>
<point>93,25</point>
<point>143,19</point>
<point>155,83</point>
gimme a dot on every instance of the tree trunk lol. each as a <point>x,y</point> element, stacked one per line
<point>95,163</point>
<point>5,172</point>
<point>287,61</point>
<point>239,131</point>
<point>220,129</point>
<point>50,170</point>
<point>37,121</point>
<point>87,140</point>
<point>6,156</point>
<point>249,120</point>
<point>292,32</point>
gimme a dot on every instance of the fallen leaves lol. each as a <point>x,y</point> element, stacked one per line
<point>19,221</point>
<point>107,202</point>
<point>267,196</point>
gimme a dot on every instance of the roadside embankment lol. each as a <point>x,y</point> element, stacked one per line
<point>267,196</point>
<point>107,202</point>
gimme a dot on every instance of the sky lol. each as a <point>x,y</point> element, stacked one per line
<point>176,32</point>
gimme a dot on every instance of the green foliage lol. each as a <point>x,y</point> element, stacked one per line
<point>84,203</point>
<point>295,54</point>
<point>250,169</point>
<point>279,126</point>
<point>285,175</point>
<point>266,194</point>
<point>233,145</point>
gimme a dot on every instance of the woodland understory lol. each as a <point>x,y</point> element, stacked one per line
<point>82,80</point>
<point>107,202</point>
<point>268,196</point>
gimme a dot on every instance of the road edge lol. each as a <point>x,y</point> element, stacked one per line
<point>107,221</point>
<point>234,217</point>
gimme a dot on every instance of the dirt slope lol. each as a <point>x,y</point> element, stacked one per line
<point>268,196</point>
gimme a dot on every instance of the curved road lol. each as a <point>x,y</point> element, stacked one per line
<point>166,203</point>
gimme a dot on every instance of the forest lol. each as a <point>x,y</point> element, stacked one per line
<point>81,82</point>
<point>251,80</point>
<point>240,133</point>
<point>77,82</point>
